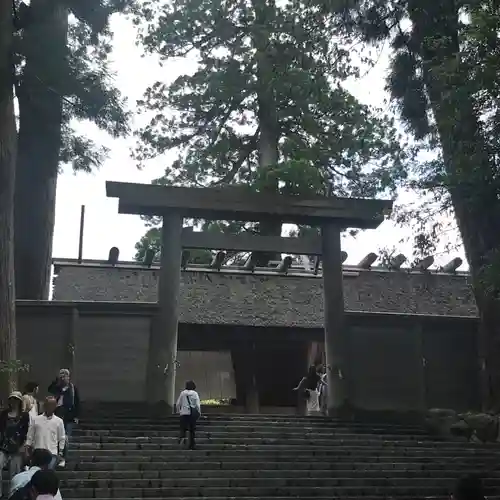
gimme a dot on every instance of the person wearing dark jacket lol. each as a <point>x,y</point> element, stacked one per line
<point>68,405</point>
<point>14,424</point>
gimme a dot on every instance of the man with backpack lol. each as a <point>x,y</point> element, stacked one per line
<point>68,405</point>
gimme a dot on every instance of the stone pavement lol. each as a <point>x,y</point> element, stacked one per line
<point>262,457</point>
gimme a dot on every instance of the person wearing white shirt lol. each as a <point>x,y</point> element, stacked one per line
<point>40,460</point>
<point>47,432</point>
<point>189,409</point>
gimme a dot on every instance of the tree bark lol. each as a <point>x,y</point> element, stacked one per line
<point>40,119</point>
<point>472,180</point>
<point>7,179</point>
<point>266,114</point>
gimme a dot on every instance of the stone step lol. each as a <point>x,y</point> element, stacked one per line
<point>258,427</point>
<point>272,453</point>
<point>248,431</point>
<point>201,483</point>
<point>279,430</point>
<point>261,457</point>
<point>290,439</point>
<point>213,416</point>
<point>340,492</point>
<point>131,430</point>
<point>144,418</point>
<point>281,475</point>
<point>335,447</point>
<point>172,421</point>
<point>258,420</point>
<point>329,497</point>
<point>296,465</point>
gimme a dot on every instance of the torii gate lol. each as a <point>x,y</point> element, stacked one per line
<point>331,214</point>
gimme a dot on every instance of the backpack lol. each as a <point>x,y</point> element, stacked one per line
<point>193,409</point>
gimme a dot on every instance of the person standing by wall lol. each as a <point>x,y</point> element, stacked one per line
<point>189,409</point>
<point>68,405</point>
<point>47,432</point>
<point>14,425</point>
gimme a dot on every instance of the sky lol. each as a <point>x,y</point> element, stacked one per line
<point>105,228</point>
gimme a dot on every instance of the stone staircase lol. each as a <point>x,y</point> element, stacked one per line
<point>264,457</point>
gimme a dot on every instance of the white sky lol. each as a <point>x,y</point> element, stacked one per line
<point>104,227</point>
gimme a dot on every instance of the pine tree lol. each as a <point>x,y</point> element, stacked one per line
<point>266,106</point>
<point>444,77</point>
<point>62,49</point>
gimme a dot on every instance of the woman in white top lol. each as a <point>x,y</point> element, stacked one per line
<point>308,388</point>
<point>189,409</point>
<point>29,399</point>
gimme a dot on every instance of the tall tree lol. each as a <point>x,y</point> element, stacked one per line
<point>7,173</point>
<point>62,53</point>
<point>444,76</point>
<point>266,106</point>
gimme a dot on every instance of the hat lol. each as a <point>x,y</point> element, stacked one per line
<point>64,371</point>
<point>16,395</point>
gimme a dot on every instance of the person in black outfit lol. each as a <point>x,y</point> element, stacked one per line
<point>14,424</point>
<point>68,405</point>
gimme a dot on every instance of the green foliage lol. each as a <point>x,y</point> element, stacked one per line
<point>77,71</point>
<point>266,107</point>
<point>13,366</point>
<point>443,80</point>
<point>326,140</point>
<point>152,240</point>
<point>216,402</point>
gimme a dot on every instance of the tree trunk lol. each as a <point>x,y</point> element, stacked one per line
<point>266,114</point>
<point>472,180</point>
<point>7,178</point>
<point>40,118</point>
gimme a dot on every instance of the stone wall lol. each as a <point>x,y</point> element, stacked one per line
<point>269,300</point>
<point>109,343</point>
<point>110,352</point>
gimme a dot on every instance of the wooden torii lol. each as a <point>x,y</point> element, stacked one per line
<point>331,214</point>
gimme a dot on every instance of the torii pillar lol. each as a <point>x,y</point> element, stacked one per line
<point>335,324</point>
<point>162,364</point>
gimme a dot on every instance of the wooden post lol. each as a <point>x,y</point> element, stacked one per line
<point>252,403</point>
<point>422,401</point>
<point>80,240</point>
<point>335,325</point>
<point>162,361</point>
<point>69,361</point>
